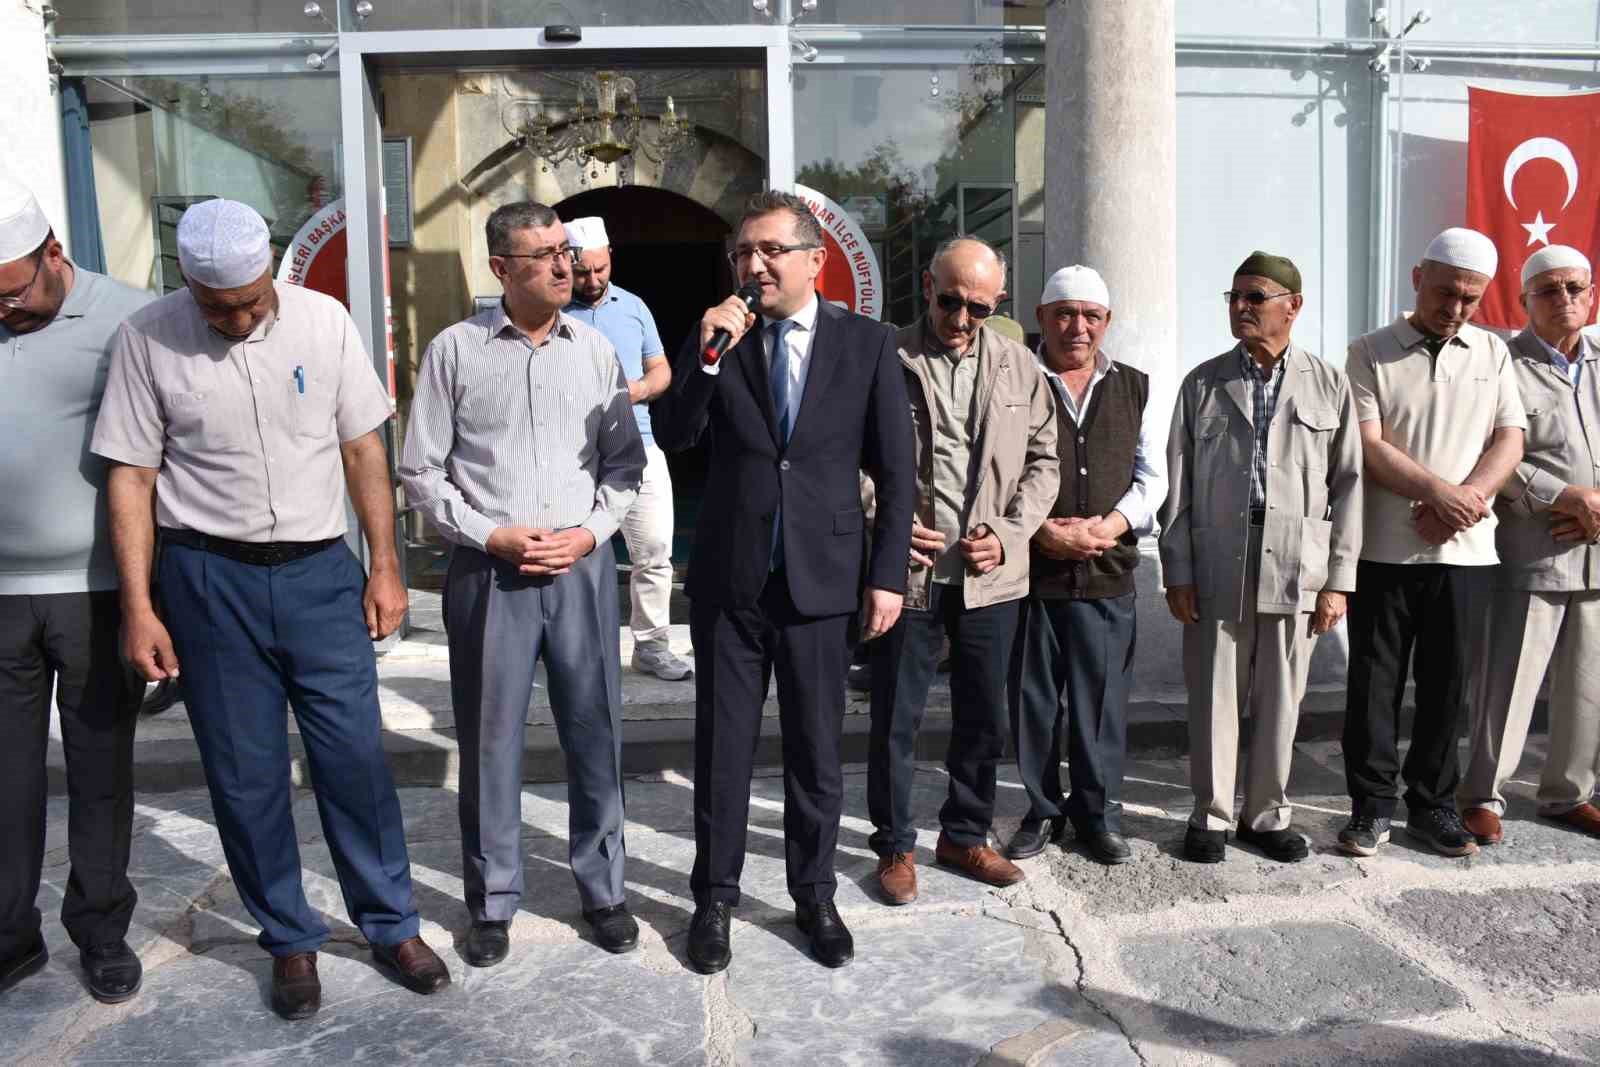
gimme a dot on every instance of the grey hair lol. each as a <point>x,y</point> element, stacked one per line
<point>509,218</point>
<point>806,227</point>
<point>946,247</point>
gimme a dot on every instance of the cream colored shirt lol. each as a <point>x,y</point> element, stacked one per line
<point>245,434</point>
<point>1439,410</point>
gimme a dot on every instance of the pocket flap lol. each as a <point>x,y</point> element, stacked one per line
<point>1210,426</point>
<point>848,521</point>
<point>1316,418</point>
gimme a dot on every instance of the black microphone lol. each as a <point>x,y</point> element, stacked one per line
<point>749,292</point>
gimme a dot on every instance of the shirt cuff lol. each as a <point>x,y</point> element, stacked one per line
<point>1141,523</point>
<point>601,524</point>
<point>475,530</point>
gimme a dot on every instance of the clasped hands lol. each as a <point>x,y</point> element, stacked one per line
<point>981,547</point>
<point>539,552</point>
<point>1575,515</point>
<point>1447,511</point>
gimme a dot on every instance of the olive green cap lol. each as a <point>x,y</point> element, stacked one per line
<point>1280,269</point>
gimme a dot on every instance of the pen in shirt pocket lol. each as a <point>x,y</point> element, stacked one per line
<point>300,380</point>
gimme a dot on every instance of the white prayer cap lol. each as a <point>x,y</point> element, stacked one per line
<point>1076,283</point>
<point>1553,257</point>
<point>587,232</point>
<point>223,244</point>
<point>23,226</point>
<point>1464,248</point>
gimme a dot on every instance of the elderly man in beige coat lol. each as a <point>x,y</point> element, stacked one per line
<point>1547,592</point>
<point>1260,536</point>
<point>987,475</point>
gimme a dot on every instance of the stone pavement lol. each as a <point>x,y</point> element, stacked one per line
<point>1407,958</point>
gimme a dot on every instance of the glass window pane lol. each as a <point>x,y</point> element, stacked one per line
<point>1276,18</point>
<point>478,14</point>
<point>920,154</point>
<point>1275,155</point>
<point>86,17</point>
<point>1529,21</point>
<point>160,144</point>
<point>919,12</point>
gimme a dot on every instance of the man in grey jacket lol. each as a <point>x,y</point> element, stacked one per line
<point>1260,536</point>
<point>1546,603</point>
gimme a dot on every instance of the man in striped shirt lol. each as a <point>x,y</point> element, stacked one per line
<point>523,452</point>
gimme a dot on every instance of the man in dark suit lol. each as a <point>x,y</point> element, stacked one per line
<point>795,410</point>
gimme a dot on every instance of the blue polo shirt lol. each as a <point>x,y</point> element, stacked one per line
<point>631,329</point>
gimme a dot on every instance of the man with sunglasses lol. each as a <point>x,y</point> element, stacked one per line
<point>807,396</point>
<point>1441,429</point>
<point>1546,602</point>
<point>58,606</point>
<point>523,452</point>
<point>985,443</point>
<point>1260,536</point>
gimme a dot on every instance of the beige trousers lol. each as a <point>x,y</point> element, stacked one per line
<point>647,529</point>
<point>1254,667</point>
<point>1531,632</point>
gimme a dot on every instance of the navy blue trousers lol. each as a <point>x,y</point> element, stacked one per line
<point>250,641</point>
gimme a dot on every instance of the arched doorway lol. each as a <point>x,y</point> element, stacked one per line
<point>669,250</point>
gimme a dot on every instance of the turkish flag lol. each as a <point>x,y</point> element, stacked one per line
<point>1533,179</point>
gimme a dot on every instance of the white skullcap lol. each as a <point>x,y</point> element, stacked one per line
<point>1464,248</point>
<point>588,232</point>
<point>23,226</point>
<point>1553,257</point>
<point>1076,283</point>
<point>223,244</point>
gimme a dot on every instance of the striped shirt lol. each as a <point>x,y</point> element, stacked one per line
<point>1264,401</point>
<point>506,433</point>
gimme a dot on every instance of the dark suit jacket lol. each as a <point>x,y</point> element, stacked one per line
<point>854,415</point>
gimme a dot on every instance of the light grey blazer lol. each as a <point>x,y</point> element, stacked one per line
<point>1312,536</point>
<point>1562,448</point>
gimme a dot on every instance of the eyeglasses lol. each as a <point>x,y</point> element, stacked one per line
<point>952,303</point>
<point>18,299</point>
<point>1549,292</point>
<point>565,251</point>
<point>1255,297</point>
<point>768,251</point>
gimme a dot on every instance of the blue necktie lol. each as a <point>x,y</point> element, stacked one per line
<point>780,378</point>
<point>779,381</point>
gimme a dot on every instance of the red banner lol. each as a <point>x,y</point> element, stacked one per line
<point>1533,179</point>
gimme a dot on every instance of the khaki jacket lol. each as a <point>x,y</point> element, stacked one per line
<point>1562,448</point>
<point>1014,452</point>
<point>1312,536</point>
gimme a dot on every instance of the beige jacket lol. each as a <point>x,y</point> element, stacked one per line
<point>1562,448</point>
<point>1014,449</point>
<point>1312,536</point>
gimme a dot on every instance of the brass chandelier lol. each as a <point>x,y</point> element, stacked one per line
<point>604,126</point>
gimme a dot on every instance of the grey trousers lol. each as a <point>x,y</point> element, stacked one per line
<point>1531,632</point>
<point>500,625</point>
<point>1254,667</point>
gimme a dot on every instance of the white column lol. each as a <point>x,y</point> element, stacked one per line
<point>31,130</point>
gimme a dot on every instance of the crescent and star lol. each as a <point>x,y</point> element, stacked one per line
<point>1528,151</point>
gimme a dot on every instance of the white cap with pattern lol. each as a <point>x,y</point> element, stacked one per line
<point>1076,283</point>
<point>23,226</point>
<point>587,232</point>
<point>223,244</point>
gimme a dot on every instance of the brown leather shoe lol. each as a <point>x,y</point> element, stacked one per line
<point>980,862</point>
<point>897,877</point>
<point>1483,824</point>
<point>416,965</point>
<point>1585,817</point>
<point>296,989</point>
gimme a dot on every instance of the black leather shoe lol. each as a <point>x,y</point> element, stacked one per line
<point>709,948</point>
<point>296,989</point>
<point>30,960</point>
<point>1204,846</point>
<point>1032,836</point>
<point>614,929</point>
<point>114,972</point>
<point>487,942</point>
<point>1285,846</point>
<point>1107,847</point>
<point>831,942</point>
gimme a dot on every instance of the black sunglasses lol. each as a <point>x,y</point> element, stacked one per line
<point>953,304</point>
<point>1254,297</point>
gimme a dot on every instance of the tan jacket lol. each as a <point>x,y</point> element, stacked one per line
<point>1014,449</point>
<point>1312,536</point>
<point>1562,448</point>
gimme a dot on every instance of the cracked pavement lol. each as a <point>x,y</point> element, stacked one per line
<point>1405,958</point>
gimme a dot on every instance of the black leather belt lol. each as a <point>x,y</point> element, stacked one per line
<point>1258,516</point>
<point>257,553</point>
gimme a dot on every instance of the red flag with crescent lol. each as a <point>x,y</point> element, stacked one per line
<point>1533,179</point>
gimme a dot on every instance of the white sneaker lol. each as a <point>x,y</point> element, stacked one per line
<point>660,662</point>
